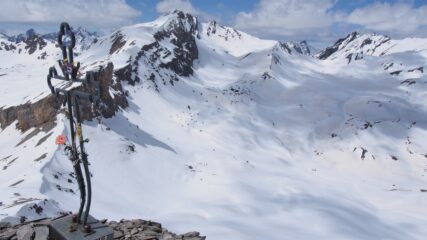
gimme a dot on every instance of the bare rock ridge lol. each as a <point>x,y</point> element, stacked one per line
<point>123,230</point>
<point>110,101</point>
<point>28,42</point>
<point>334,48</point>
<point>29,115</point>
<point>226,33</point>
<point>44,111</point>
<point>355,46</point>
<point>177,58</point>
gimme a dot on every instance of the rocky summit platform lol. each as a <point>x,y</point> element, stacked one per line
<point>123,229</point>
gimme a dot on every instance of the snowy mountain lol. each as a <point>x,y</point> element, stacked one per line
<point>206,127</point>
<point>354,46</point>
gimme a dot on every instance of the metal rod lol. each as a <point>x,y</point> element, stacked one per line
<point>84,160</point>
<point>75,159</point>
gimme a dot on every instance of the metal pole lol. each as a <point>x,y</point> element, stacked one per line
<point>84,160</point>
<point>75,159</point>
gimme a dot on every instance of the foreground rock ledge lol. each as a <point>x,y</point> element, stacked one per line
<point>124,229</point>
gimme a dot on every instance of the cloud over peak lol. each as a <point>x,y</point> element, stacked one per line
<point>183,5</point>
<point>308,18</point>
<point>398,17</point>
<point>98,13</point>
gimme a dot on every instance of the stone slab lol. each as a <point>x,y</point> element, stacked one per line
<point>62,229</point>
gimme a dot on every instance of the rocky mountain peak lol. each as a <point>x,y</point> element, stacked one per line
<point>354,46</point>
<point>170,55</point>
<point>177,20</point>
<point>23,36</point>
<point>84,37</point>
<point>214,28</point>
<point>301,47</point>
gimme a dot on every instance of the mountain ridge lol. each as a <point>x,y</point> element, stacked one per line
<point>229,134</point>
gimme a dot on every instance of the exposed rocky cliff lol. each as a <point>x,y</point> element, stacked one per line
<point>169,56</point>
<point>297,47</point>
<point>44,111</point>
<point>30,114</point>
<point>355,46</point>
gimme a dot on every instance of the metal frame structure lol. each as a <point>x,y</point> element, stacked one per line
<point>72,98</point>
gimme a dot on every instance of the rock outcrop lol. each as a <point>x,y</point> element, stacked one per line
<point>333,49</point>
<point>355,46</point>
<point>148,230</point>
<point>123,230</point>
<point>44,111</point>
<point>169,56</point>
<point>296,47</point>
<point>30,115</point>
<point>112,95</point>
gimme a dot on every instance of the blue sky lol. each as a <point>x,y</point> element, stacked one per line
<point>318,21</point>
<point>229,8</point>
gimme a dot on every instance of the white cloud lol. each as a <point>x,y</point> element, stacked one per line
<point>319,19</point>
<point>98,13</point>
<point>399,17</point>
<point>165,6</point>
<point>183,5</point>
<point>287,17</point>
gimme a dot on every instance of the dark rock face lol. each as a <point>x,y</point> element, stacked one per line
<point>109,104</point>
<point>44,111</point>
<point>286,48</point>
<point>163,63</point>
<point>420,69</point>
<point>7,46</point>
<point>125,73</point>
<point>212,28</point>
<point>30,42</point>
<point>331,50</point>
<point>366,42</point>
<point>29,115</point>
<point>296,47</point>
<point>33,43</point>
<point>226,32</point>
<point>184,31</point>
<point>117,42</point>
<point>368,46</point>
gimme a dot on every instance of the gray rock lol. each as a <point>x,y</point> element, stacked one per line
<point>156,228</point>
<point>118,234</point>
<point>191,234</point>
<point>127,225</point>
<point>42,233</point>
<point>139,222</point>
<point>8,234</point>
<point>4,225</point>
<point>134,231</point>
<point>168,236</point>
<point>150,233</point>
<point>155,224</point>
<point>25,232</point>
<point>149,238</point>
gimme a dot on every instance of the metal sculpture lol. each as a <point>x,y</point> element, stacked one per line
<point>73,99</point>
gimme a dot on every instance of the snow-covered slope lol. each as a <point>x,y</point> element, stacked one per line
<point>22,65</point>
<point>238,138</point>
